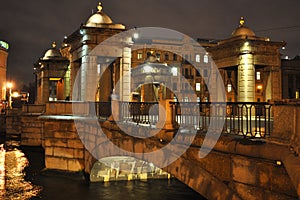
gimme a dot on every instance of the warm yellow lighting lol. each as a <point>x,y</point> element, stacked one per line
<point>53,44</point>
<point>54,79</point>
<point>229,88</point>
<point>15,94</point>
<point>259,87</point>
<point>278,162</point>
<point>9,85</point>
<point>242,21</point>
<point>99,7</point>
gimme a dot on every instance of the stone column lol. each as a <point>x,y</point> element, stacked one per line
<point>246,78</point>
<point>125,72</point>
<point>88,78</point>
<point>166,115</point>
<point>276,83</point>
<point>105,83</point>
<point>67,83</point>
<point>44,89</point>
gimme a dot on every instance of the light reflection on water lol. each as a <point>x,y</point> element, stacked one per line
<point>52,187</point>
<point>16,187</point>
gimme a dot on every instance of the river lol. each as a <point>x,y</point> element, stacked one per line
<point>34,183</point>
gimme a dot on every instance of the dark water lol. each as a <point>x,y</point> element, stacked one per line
<point>63,188</point>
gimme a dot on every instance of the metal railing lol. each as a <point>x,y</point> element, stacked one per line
<point>249,119</point>
<point>103,110</point>
<point>139,112</point>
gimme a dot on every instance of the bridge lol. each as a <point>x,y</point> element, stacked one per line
<point>256,156</point>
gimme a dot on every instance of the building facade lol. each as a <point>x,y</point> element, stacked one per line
<point>51,76</point>
<point>291,78</point>
<point>250,66</point>
<point>4,46</point>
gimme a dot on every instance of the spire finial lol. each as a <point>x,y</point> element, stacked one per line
<point>242,21</point>
<point>99,7</point>
<point>53,44</point>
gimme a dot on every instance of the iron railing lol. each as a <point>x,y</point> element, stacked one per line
<point>103,110</point>
<point>139,112</point>
<point>250,119</point>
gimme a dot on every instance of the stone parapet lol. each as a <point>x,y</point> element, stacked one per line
<point>286,127</point>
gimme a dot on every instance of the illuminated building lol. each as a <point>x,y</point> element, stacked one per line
<point>248,64</point>
<point>50,74</point>
<point>77,48</point>
<point>291,78</point>
<point>3,63</point>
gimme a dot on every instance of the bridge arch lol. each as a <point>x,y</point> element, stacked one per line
<point>200,180</point>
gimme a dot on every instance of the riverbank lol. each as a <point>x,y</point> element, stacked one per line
<point>26,179</point>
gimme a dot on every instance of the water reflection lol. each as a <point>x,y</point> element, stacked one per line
<point>24,181</point>
<point>2,171</point>
<point>16,187</point>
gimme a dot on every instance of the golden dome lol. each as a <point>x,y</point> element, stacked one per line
<point>52,53</point>
<point>242,30</point>
<point>99,18</point>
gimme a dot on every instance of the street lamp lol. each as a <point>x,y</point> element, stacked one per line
<point>9,85</point>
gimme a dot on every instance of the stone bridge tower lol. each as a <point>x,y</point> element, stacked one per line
<point>78,46</point>
<point>250,65</point>
<point>50,71</point>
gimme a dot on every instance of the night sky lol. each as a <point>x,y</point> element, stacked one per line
<point>31,26</point>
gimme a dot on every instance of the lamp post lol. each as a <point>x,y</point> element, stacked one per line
<point>9,86</point>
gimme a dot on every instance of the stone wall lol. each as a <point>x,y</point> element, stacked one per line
<point>287,123</point>
<point>236,168</point>
<point>13,123</point>
<point>31,127</point>
<point>63,148</point>
<point>32,130</point>
<point>2,124</point>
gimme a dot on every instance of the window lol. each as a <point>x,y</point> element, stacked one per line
<point>166,56</point>
<point>198,87</point>
<point>174,86</point>
<point>205,74</point>
<point>258,76</point>
<point>197,72</point>
<point>148,54</point>
<point>186,57</point>
<point>197,58</point>
<point>98,69</point>
<point>174,71</point>
<point>174,56</point>
<point>140,55</point>
<point>205,59</point>
<point>186,86</point>
<point>158,56</point>
<point>186,72</point>
<point>229,87</point>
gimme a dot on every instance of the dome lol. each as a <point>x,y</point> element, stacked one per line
<point>242,30</point>
<point>52,53</point>
<point>98,19</point>
<point>151,59</point>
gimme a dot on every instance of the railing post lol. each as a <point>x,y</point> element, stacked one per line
<point>166,115</point>
<point>286,128</point>
<point>115,109</point>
